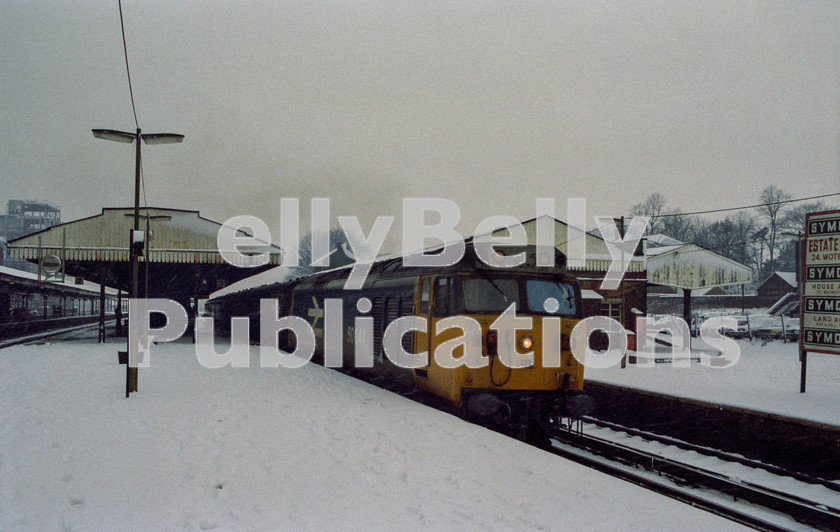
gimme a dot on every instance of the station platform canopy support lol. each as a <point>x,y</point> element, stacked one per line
<point>181,260</point>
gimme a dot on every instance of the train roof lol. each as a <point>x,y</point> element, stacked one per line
<point>278,276</point>
<point>394,266</point>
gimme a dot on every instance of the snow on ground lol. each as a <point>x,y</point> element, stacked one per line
<point>269,449</point>
<point>765,378</point>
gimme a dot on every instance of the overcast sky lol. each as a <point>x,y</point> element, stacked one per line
<point>490,104</point>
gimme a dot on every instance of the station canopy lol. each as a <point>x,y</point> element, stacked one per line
<point>585,251</point>
<point>690,267</point>
<point>182,257</point>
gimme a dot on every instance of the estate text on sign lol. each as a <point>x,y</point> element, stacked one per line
<point>821,283</point>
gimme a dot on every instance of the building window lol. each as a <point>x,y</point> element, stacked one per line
<point>612,309</point>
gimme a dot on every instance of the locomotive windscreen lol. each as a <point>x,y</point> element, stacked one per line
<point>493,294</point>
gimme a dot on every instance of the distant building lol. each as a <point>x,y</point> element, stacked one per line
<point>24,217</point>
<point>777,285</point>
<point>33,215</point>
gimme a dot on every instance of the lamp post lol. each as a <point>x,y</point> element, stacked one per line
<point>128,138</point>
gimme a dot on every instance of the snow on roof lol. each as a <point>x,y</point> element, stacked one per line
<point>659,250</point>
<point>662,240</point>
<point>788,277</point>
<point>280,274</point>
<point>785,303</point>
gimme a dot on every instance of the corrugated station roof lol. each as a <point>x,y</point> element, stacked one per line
<point>691,266</point>
<point>182,252</point>
<point>177,236</point>
<point>595,251</point>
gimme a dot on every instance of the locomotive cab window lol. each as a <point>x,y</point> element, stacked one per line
<point>489,295</point>
<point>446,301</point>
<point>424,297</point>
<point>540,291</point>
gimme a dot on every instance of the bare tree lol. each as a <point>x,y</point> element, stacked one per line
<point>758,242</point>
<point>794,219</point>
<point>744,227</point>
<point>680,226</point>
<point>773,200</point>
<point>654,207</point>
<point>717,236</point>
<point>731,237</point>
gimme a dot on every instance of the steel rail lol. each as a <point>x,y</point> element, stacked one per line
<point>717,453</point>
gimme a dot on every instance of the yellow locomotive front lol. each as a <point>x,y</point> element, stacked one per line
<point>498,341</point>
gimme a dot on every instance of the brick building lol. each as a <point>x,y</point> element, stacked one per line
<point>777,285</point>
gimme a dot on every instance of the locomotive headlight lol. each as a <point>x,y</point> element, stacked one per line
<point>526,343</point>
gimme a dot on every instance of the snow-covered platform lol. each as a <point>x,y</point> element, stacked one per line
<point>765,379</point>
<point>263,449</point>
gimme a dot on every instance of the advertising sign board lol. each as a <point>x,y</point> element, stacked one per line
<point>821,284</point>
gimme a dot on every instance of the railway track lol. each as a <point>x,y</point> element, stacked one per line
<point>712,487</point>
<point>755,494</point>
<point>89,330</point>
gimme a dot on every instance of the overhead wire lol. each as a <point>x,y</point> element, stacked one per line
<point>127,69</point>
<point>669,215</point>
<point>584,232</point>
<point>748,242</point>
<point>131,93</point>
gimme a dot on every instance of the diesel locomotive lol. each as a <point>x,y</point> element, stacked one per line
<point>522,377</point>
